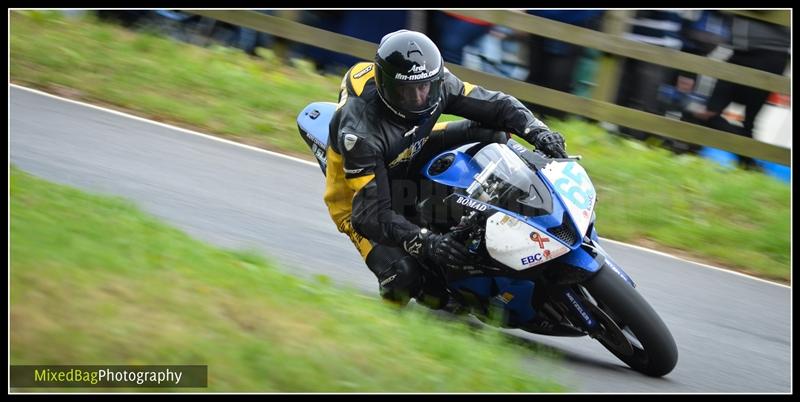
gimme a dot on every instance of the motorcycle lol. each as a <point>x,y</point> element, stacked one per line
<point>528,221</point>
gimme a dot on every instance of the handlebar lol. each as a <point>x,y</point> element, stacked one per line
<point>543,155</point>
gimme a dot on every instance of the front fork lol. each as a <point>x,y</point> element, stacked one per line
<point>579,309</point>
<point>578,266</point>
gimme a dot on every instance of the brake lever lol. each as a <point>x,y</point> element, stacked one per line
<point>543,155</point>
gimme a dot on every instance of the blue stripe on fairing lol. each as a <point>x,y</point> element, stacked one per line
<point>613,264</point>
<point>460,173</point>
<point>580,258</point>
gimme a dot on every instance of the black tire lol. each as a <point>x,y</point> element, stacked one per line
<point>658,353</point>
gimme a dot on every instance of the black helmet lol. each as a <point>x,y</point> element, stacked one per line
<point>409,72</point>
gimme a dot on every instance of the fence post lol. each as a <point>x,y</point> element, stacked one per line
<point>416,21</point>
<point>608,70</point>
<point>281,46</point>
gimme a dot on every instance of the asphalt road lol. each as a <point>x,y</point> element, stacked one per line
<point>733,332</point>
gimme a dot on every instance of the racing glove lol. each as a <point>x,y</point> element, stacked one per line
<point>444,249</point>
<point>549,142</point>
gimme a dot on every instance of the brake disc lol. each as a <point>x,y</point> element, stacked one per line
<point>612,335</point>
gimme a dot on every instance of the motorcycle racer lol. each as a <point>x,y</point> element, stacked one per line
<point>384,129</point>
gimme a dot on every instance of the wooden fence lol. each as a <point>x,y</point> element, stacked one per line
<point>600,107</point>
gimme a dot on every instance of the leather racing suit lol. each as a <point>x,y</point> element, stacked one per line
<point>369,148</point>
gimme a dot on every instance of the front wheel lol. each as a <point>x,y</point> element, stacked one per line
<point>633,330</point>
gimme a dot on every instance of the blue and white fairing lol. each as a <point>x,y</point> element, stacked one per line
<point>313,123</point>
<point>518,241</point>
<point>573,186</point>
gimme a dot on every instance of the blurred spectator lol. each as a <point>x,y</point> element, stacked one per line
<point>497,52</point>
<point>477,44</point>
<point>758,45</point>
<point>553,63</point>
<point>190,28</point>
<point>369,25</point>
<point>454,31</point>
<point>640,80</point>
<point>249,39</point>
<point>702,32</point>
<point>329,20</point>
<point>585,72</point>
<point>204,30</point>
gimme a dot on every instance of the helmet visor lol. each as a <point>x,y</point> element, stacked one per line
<point>414,97</point>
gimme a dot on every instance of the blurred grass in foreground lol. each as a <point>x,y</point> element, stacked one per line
<point>96,281</point>
<point>683,205</point>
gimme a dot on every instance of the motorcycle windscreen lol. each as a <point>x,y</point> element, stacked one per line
<point>508,183</point>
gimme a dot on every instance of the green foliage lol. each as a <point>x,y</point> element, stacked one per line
<point>95,281</point>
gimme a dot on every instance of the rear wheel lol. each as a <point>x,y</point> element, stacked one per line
<point>633,331</point>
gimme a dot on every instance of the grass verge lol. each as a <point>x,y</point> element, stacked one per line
<point>96,281</point>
